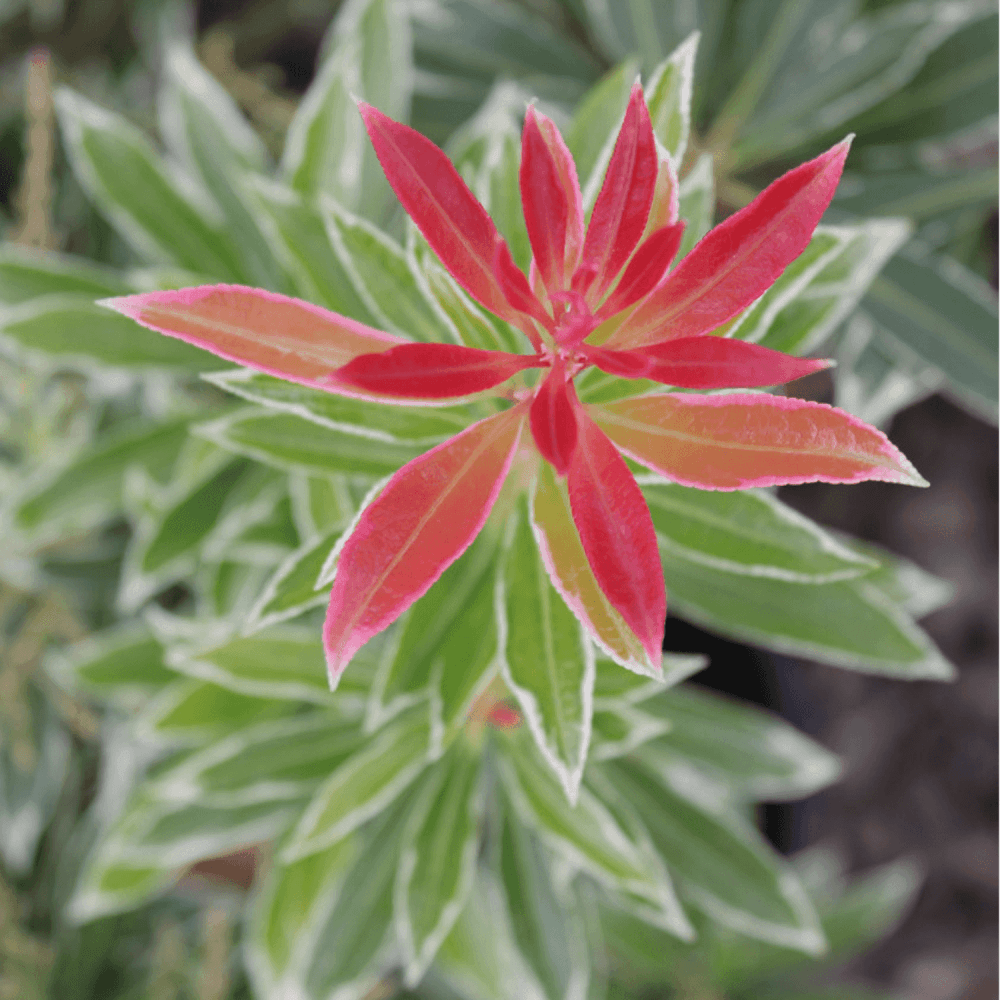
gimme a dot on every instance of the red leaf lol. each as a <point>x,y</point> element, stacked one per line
<point>553,419</point>
<point>431,371</point>
<point>516,289</point>
<point>666,198</point>
<point>273,333</point>
<point>622,207</point>
<point>452,220</point>
<point>645,270</point>
<point>545,202</point>
<point>731,442</point>
<point>617,533</point>
<point>705,363</point>
<point>426,517</point>
<point>740,258</point>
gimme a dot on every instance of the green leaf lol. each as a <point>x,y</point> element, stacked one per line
<point>364,785</point>
<point>143,851</point>
<point>595,123</point>
<point>446,648</point>
<point>749,532</point>
<point>320,503</point>
<point>548,658</point>
<point>803,323</point>
<point>70,327</point>
<point>546,929</point>
<point>292,589</point>
<point>590,838</point>
<point>206,130</point>
<point>284,759</point>
<point>757,753</point>
<point>129,183</point>
<point>438,858</point>
<point>282,662</point>
<point>122,663</point>
<point>404,424</point>
<point>291,443</point>
<point>386,277</point>
<point>946,316</point>
<point>89,489</point>
<point>668,94</point>
<point>847,623</point>
<point>917,194</point>
<point>298,238</point>
<point>697,203</point>
<point>621,728</point>
<point>615,685</point>
<point>724,866</point>
<point>26,273</point>
<point>195,712</point>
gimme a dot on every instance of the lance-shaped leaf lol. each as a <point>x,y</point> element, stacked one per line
<point>448,214</point>
<point>550,195</point>
<point>562,552</point>
<point>740,258</point>
<point>553,419</point>
<point>668,94</point>
<point>620,728</point>
<point>367,782</point>
<point>706,363</point>
<point>729,442</point>
<point>431,371</point>
<point>648,265</point>
<point>272,333</point>
<point>548,659</point>
<point>622,207</point>
<point>424,519</point>
<point>438,859</point>
<point>617,534</point>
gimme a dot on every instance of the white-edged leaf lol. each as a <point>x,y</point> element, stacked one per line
<point>668,95</point>
<point>620,729</point>
<point>548,660</point>
<point>697,202</point>
<point>615,685</point>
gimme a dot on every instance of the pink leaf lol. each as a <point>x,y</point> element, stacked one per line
<point>622,207</point>
<point>566,562</point>
<point>515,288</point>
<point>431,371</point>
<point>452,220</point>
<point>740,258</point>
<point>553,419</point>
<point>666,198</point>
<point>617,534</point>
<point>426,517</point>
<point>645,270</point>
<point>731,442</point>
<point>545,203</point>
<point>705,363</point>
<point>273,333</point>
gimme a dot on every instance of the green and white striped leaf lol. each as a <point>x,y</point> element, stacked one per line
<point>320,503</point>
<point>292,443</point>
<point>621,728</point>
<point>696,193</point>
<point>386,277</point>
<point>848,623</point>
<point>438,859</point>
<point>668,95</point>
<point>590,838</point>
<point>934,309</point>
<point>27,273</point>
<point>723,865</point>
<point>548,660</point>
<point>747,532</point>
<point>292,589</point>
<point>297,235</point>
<point>802,324</point>
<point>284,759</point>
<point>365,784</point>
<point>913,193</point>
<point>162,223</point>
<point>190,712</point>
<point>71,328</point>
<point>446,647</point>
<point>87,490</point>
<point>546,926</point>
<point>205,129</point>
<point>756,753</point>
<point>615,685</point>
<point>403,424</point>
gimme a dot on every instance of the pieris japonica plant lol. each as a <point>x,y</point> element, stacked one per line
<point>472,466</point>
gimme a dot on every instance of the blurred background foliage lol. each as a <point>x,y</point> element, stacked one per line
<point>776,81</point>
